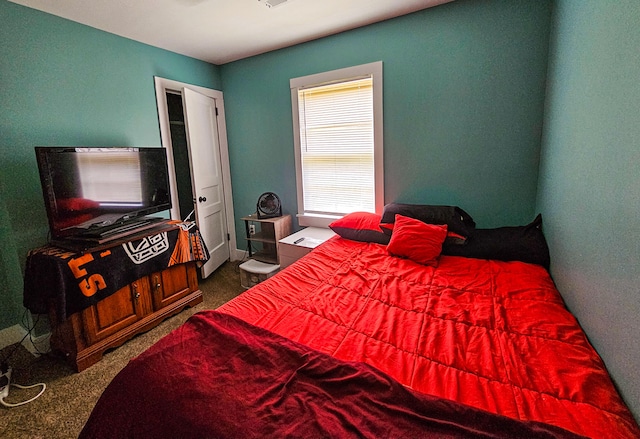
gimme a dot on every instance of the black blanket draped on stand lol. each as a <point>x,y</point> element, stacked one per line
<point>75,281</point>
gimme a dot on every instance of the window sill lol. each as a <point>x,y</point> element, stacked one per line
<point>306,220</point>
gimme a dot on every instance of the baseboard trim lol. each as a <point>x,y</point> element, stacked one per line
<point>238,255</point>
<point>12,334</point>
<point>16,333</point>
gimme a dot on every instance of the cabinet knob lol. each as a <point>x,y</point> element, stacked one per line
<point>136,294</point>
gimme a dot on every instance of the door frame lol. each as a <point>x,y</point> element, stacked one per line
<point>162,86</point>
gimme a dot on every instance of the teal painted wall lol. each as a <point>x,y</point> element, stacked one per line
<point>67,84</point>
<point>463,100</point>
<point>589,191</point>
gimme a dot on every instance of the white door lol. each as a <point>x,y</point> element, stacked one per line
<point>206,176</point>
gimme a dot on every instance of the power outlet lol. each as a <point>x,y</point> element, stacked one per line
<point>252,229</point>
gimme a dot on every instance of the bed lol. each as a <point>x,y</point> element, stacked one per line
<point>368,337</point>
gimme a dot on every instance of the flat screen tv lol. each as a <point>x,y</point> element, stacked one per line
<point>89,190</point>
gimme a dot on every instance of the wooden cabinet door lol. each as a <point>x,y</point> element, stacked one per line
<point>118,311</point>
<point>173,284</point>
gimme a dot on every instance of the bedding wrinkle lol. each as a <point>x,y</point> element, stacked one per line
<point>421,333</point>
<point>509,360</point>
<point>355,315</point>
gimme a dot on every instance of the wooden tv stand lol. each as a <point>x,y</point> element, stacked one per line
<point>86,335</point>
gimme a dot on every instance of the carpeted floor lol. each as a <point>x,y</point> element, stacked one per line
<point>69,398</point>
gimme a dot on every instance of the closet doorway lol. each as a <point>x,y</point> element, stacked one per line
<point>193,131</point>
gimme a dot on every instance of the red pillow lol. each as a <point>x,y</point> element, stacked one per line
<point>360,226</point>
<point>418,241</point>
<point>452,237</point>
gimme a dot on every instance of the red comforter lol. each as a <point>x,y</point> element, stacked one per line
<point>494,335</point>
<point>491,335</point>
<point>219,377</point>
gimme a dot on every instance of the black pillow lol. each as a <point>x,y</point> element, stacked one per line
<point>457,220</point>
<point>524,243</point>
<point>360,226</point>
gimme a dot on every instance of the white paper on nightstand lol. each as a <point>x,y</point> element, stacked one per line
<point>310,242</point>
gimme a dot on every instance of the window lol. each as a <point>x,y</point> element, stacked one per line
<point>337,119</point>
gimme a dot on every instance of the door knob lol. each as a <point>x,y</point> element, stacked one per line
<point>202,199</point>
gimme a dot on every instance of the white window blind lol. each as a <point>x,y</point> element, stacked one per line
<point>337,150</point>
<point>337,125</point>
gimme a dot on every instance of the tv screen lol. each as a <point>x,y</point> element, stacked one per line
<point>91,188</point>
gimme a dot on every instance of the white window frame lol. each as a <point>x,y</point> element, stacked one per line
<point>374,69</point>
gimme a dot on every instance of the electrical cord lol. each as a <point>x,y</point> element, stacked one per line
<point>30,333</point>
<point>245,257</point>
<point>17,404</point>
<point>5,370</point>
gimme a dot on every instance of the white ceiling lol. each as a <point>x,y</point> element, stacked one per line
<point>221,31</point>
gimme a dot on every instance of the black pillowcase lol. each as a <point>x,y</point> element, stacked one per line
<point>456,219</point>
<point>523,243</point>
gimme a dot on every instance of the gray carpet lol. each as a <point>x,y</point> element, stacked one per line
<point>66,404</point>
